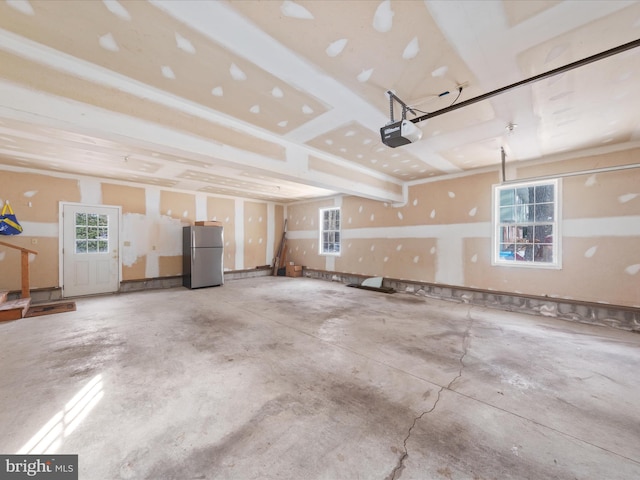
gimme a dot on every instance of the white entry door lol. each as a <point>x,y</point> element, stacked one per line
<point>91,257</point>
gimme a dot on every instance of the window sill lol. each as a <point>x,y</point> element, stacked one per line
<point>536,265</point>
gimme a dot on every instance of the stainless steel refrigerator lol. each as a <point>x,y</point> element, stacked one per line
<point>202,256</point>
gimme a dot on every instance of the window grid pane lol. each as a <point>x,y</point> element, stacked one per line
<point>526,224</point>
<point>91,233</point>
<point>330,234</point>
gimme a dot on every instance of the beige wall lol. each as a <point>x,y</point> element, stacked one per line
<point>151,228</point>
<point>223,210</point>
<point>278,229</point>
<point>131,199</point>
<point>133,203</point>
<point>255,234</point>
<point>34,199</point>
<point>180,210</point>
<point>303,218</point>
<point>443,234</point>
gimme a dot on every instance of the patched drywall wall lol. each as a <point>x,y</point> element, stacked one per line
<point>614,194</point>
<point>594,269</point>
<point>40,272</point>
<point>223,210</point>
<point>255,235</point>
<point>151,225</point>
<point>134,209</point>
<point>407,258</point>
<point>443,234</point>
<point>34,199</point>
<point>177,210</point>
<point>462,200</point>
<point>131,199</point>
<point>302,234</point>
<point>278,229</point>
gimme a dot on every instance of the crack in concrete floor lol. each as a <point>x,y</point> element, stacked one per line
<point>397,470</point>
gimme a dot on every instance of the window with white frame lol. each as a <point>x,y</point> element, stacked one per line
<point>92,233</point>
<point>527,224</point>
<point>330,231</point>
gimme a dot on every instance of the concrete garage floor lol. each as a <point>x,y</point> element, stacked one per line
<point>287,378</point>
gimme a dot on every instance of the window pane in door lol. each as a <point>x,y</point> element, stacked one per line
<point>81,246</point>
<point>91,233</point>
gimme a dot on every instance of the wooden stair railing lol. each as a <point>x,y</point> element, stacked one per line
<point>24,267</point>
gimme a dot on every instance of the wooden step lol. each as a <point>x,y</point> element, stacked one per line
<point>14,309</point>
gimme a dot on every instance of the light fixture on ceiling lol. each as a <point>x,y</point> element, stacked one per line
<point>510,128</point>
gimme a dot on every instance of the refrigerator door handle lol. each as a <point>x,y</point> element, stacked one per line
<point>193,244</point>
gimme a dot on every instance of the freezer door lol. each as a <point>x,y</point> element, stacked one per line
<point>206,267</point>
<point>206,237</point>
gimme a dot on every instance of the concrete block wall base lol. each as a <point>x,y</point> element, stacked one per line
<point>41,295</point>
<point>176,281</point>
<point>265,271</point>
<point>150,284</point>
<point>622,317</point>
<point>44,295</point>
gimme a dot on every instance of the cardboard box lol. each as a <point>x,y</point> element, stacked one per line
<point>294,270</point>
<point>209,223</point>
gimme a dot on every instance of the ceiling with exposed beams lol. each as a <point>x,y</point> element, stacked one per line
<point>283,100</point>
